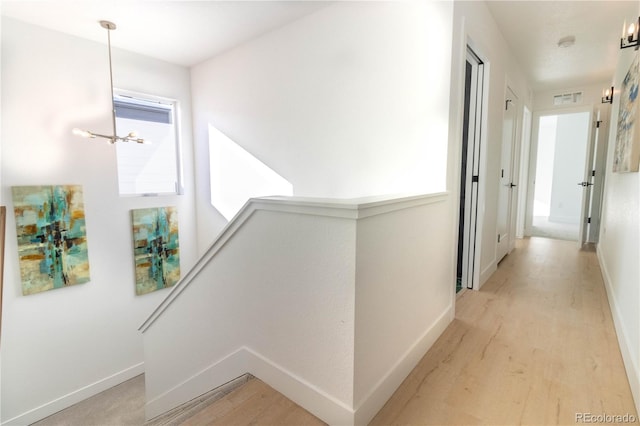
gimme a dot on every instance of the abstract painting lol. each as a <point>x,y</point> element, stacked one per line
<point>626,156</point>
<point>52,239</point>
<point>156,248</point>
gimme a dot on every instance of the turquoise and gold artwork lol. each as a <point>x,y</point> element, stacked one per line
<point>156,248</point>
<point>52,237</point>
<point>626,154</point>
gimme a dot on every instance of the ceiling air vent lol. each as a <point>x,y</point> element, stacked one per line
<point>567,98</point>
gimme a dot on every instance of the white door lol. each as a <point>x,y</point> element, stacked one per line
<point>507,186</point>
<point>469,172</point>
<point>592,182</point>
<point>598,171</point>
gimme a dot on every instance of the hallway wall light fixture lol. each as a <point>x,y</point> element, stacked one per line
<point>131,136</point>
<point>630,34</point>
<point>607,96</point>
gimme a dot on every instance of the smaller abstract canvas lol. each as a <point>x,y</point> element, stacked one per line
<point>52,240</point>
<point>156,248</point>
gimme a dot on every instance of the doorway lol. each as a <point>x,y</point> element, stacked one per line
<point>470,170</point>
<point>507,194</point>
<point>564,158</point>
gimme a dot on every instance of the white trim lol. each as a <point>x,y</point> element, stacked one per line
<point>487,272</point>
<point>369,406</point>
<point>630,361</point>
<point>76,396</point>
<point>245,360</point>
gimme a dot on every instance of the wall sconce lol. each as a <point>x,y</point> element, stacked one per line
<point>630,34</point>
<point>607,96</point>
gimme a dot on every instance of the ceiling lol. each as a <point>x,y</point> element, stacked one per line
<point>162,29</point>
<point>181,32</point>
<point>533,28</point>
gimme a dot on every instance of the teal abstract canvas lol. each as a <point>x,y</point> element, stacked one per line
<point>52,240</point>
<point>626,154</point>
<point>156,248</point>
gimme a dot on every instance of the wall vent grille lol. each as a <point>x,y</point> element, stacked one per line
<point>567,98</point>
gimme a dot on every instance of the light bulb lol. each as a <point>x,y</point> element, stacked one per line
<point>632,29</point>
<point>83,133</point>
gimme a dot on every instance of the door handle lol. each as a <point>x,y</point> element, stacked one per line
<point>585,184</point>
<point>512,185</point>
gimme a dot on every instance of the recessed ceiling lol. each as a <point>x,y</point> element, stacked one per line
<point>533,29</point>
<point>180,32</point>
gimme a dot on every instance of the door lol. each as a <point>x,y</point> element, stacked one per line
<point>469,172</point>
<point>507,186</point>
<point>561,170</point>
<point>587,184</point>
<point>593,182</point>
<point>598,172</point>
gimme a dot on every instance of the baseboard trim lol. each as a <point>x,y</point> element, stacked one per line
<point>243,361</point>
<point>66,401</point>
<point>187,410</point>
<point>630,363</point>
<point>369,406</point>
<point>217,374</point>
<point>486,273</point>
<point>317,402</point>
<point>303,393</point>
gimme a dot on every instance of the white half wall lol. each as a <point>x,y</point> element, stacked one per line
<point>330,302</point>
<point>404,297</point>
<point>62,346</point>
<point>349,101</point>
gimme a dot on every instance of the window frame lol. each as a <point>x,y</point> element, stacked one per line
<point>176,116</point>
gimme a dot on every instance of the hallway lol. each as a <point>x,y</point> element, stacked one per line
<point>535,346</point>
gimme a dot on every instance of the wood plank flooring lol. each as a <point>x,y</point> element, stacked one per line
<point>535,346</point>
<point>255,403</point>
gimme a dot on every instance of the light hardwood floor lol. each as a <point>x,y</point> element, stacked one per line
<point>536,345</point>
<point>255,403</point>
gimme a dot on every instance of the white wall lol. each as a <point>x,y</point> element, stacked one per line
<point>619,247</point>
<point>61,346</point>
<point>349,101</point>
<point>404,297</point>
<point>474,25</point>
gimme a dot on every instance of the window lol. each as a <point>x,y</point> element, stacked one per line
<point>147,169</point>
